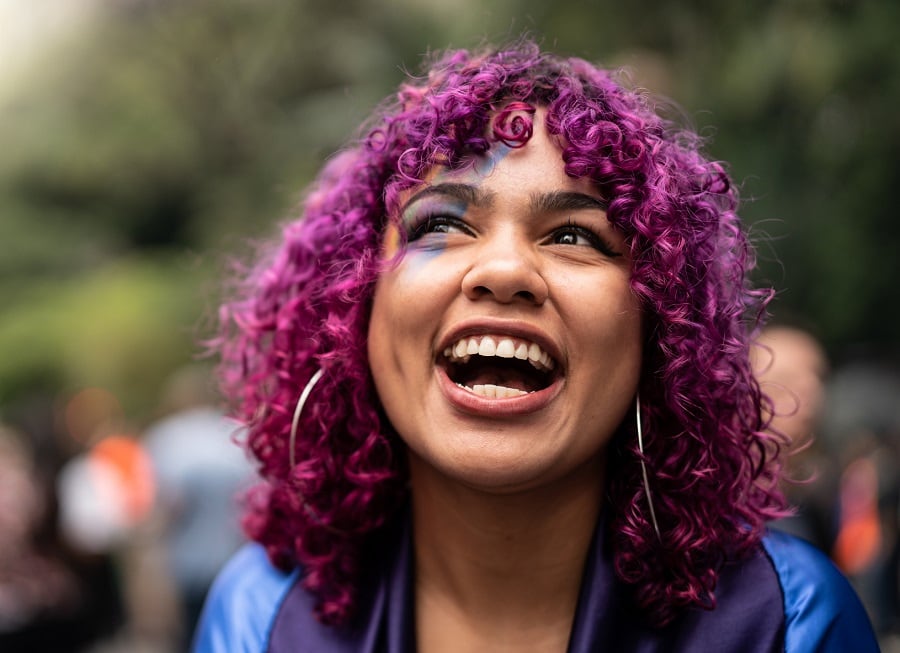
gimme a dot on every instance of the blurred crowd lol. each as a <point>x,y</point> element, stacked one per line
<point>841,475</point>
<point>109,538</point>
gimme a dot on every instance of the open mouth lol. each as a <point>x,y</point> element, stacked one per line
<point>499,366</point>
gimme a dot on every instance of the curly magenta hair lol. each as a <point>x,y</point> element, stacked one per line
<point>713,467</point>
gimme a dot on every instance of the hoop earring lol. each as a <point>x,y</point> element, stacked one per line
<point>640,439</point>
<point>298,410</point>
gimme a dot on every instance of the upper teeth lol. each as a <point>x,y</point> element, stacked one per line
<point>504,347</point>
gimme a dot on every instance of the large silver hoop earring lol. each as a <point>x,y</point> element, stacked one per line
<point>640,439</point>
<point>298,410</point>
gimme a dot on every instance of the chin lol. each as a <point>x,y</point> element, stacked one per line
<point>492,472</point>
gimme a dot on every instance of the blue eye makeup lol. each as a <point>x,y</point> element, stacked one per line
<point>434,215</point>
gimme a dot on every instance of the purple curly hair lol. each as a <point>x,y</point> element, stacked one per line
<point>713,467</point>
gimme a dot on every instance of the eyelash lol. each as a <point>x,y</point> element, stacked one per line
<point>427,223</point>
<point>597,241</point>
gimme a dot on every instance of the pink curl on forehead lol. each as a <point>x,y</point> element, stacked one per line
<point>514,124</point>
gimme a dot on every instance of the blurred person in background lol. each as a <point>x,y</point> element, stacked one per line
<point>53,598</point>
<point>844,486</point>
<point>791,366</point>
<point>864,421</point>
<point>163,504</point>
<point>199,473</point>
<point>865,547</point>
<point>496,379</point>
<point>105,493</point>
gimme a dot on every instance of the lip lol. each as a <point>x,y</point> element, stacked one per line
<point>477,405</point>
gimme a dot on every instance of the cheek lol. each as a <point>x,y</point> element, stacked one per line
<point>383,322</point>
<point>397,293</point>
<point>606,307</point>
<point>419,280</point>
<point>400,314</point>
<point>610,331</point>
<point>395,342</point>
<point>382,358</point>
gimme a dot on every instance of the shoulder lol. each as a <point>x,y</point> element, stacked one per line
<point>821,610</point>
<point>242,604</point>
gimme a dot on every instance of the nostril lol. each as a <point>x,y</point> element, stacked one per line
<point>505,279</point>
<point>526,295</point>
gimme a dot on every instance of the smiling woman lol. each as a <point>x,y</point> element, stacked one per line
<point>496,379</point>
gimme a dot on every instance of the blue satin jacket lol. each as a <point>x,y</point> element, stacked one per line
<point>787,597</point>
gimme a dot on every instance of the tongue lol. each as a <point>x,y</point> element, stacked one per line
<point>494,377</point>
<point>509,373</point>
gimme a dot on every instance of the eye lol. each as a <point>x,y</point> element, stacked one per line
<point>437,224</point>
<point>577,235</point>
<point>571,237</point>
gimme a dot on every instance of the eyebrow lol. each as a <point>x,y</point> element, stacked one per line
<point>565,201</point>
<point>464,193</point>
<point>540,202</point>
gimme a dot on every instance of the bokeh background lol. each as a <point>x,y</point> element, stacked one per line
<point>144,143</point>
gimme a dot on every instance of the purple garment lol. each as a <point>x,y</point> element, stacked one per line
<point>785,597</point>
<point>384,622</point>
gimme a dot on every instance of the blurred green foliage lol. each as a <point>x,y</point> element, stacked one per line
<point>147,149</point>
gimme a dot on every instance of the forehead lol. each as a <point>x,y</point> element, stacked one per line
<point>537,166</point>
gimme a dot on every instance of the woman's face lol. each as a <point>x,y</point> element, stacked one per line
<point>505,342</point>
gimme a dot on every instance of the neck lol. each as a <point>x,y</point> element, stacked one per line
<point>501,564</point>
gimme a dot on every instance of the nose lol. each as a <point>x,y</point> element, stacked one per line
<point>507,271</point>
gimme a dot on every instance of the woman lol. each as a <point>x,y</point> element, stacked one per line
<point>496,379</point>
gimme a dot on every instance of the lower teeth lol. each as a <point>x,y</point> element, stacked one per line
<point>493,391</point>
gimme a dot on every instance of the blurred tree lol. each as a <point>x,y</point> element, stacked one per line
<point>801,96</point>
<point>193,125</point>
